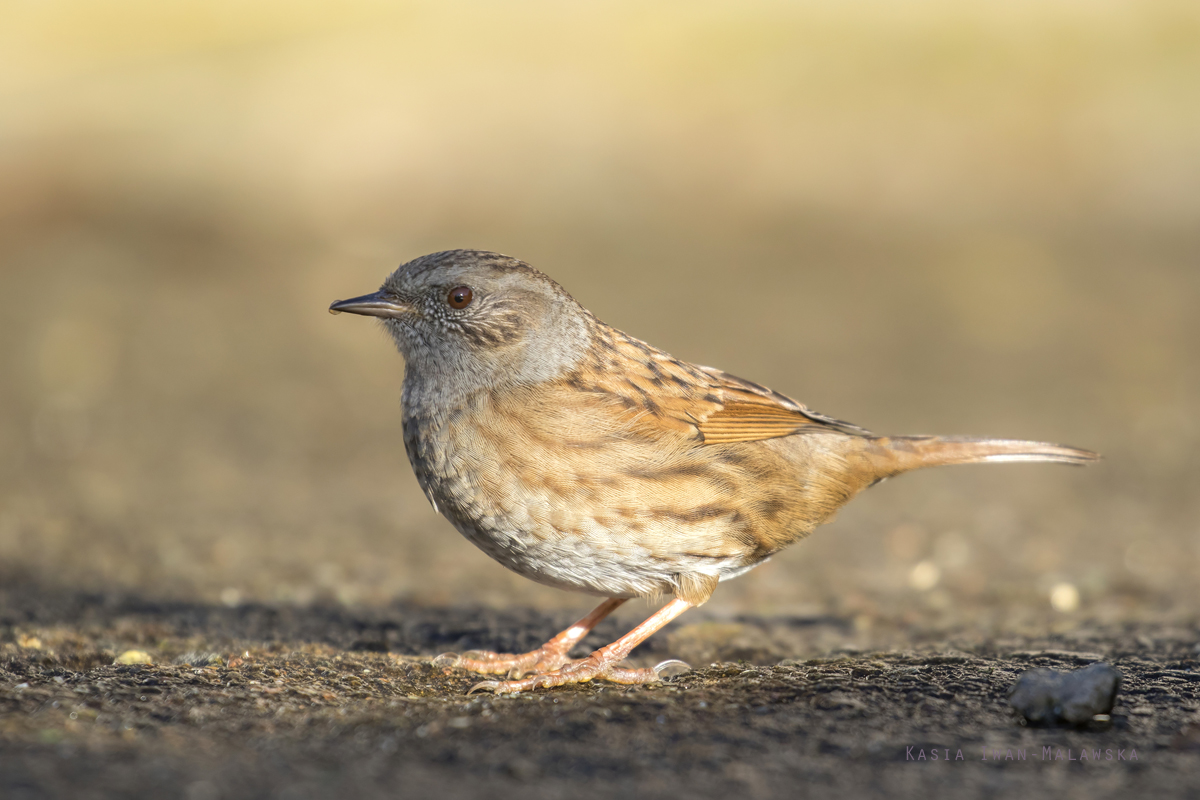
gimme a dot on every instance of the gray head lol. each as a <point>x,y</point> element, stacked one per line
<point>468,319</point>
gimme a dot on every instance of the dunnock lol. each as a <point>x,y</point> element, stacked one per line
<point>585,459</point>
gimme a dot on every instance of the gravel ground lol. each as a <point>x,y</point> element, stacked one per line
<point>259,701</point>
<point>950,218</point>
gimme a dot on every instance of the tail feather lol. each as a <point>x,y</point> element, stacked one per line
<point>902,453</point>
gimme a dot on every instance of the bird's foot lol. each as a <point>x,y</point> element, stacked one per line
<point>596,666</point>
<point>551,656</point>
<point>514,665</point>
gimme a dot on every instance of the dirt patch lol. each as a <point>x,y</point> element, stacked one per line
<point>259,701</point>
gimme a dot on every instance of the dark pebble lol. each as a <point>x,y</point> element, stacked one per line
<point>1050,697</point>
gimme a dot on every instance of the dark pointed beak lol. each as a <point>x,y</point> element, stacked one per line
<point>379,304</point>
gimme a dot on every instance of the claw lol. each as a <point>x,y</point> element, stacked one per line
<point>671,667</point>
<point>446,660</point>
<point>550,666</point>
<point>575,672</point>
<point>484,686</point>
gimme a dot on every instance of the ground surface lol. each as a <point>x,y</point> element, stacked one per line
<point>292,703</point>
<point>929,217</point>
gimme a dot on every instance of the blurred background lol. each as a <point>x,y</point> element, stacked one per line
<point>921,217</point>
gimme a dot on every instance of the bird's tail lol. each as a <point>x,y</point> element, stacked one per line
<point>895,454</point>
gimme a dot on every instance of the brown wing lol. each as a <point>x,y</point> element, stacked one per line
<point>714,406</point>
<point>751,412</point>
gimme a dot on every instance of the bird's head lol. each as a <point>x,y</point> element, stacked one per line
<point>468,319</point>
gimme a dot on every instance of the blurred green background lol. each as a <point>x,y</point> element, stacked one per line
<point>925,217</point>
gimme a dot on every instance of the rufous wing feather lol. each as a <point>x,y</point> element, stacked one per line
<point>745,422</point>
<point>750,412</point>
<point>675,395</point>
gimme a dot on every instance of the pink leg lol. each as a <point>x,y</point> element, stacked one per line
<point>602,663</point>
<point>547,658</point>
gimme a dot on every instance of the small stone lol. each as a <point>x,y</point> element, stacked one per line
<point>522,769</point>
<point>195,659</point>
<point>134,657</point>
<point>1050,697</point>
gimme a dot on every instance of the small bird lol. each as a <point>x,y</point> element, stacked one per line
<point>585,459</point>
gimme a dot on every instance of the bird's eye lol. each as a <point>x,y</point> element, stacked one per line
<point>460,297</point>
